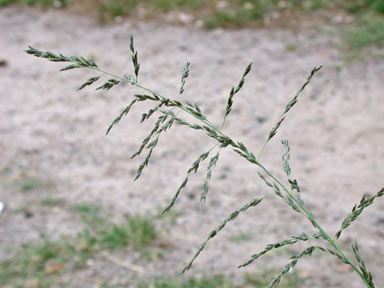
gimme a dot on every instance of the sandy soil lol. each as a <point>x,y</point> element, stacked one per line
<point>51,132</point>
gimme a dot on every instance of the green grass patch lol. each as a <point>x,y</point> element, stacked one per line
<point>234,13</point>
<point>113,8</point>
<point>241,237</point>
<point>32,262</point>
<point>27,183</point>
<point>39,263</point>
<point>52,202</point>
<point>89,213</point>
<point>170,5</point>
<point>256,280</point>
<point>136,231</point>
<point>218,281</point>
<point>261,280</point>
<point>370,31</point>
<point>291,47</point>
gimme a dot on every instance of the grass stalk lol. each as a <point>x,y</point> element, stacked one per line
<point>223,141</point>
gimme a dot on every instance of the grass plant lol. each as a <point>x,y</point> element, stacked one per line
<point>170,112</point>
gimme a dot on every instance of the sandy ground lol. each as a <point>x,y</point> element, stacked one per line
<point>51,132</point>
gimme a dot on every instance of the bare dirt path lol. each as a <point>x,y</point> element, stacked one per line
<point>52,133</point>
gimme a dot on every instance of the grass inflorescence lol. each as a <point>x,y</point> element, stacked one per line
<point>173,111</point>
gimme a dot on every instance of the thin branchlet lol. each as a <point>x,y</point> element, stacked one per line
<point>184,76</point>
<point>287,169</point>
<point>214,232</point>
<point>234,90</point>
<point>146,140</point>
<point>357,210</point>
<point>367,275</point>
<point>193,169</point>
<point>307,252</point>
<point>89,82</point>
<point>292,102</point>
<point>150,112</point>
<point>339,256</point>
<point>290,199</point>
<point>70,67</point>
<point>121,115</point>
<point>286,156</point>
<point>287,108</point>
<point>77,61</point>
<point>135,61</point>
<point>151,146</point>
<point>291,241</point>
<point>211,165</point>
<point>265,180</point>
<point>109,84</point>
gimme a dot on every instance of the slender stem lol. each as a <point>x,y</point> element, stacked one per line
<point>222,124</point>
<point>308,214</point>
<point>108,73</point>
<point>262,150</point>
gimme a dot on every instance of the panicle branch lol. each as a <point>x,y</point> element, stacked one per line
<point>287,108</point>
<point>214,232</point>
<point>211,165</point>
<point>291,241</point>
<point>184,75</point>
<point>234,90</point>
<point>194,168</point>
<point>77,61</point>
<point>307,252</point>
<point>357,210</point>
<point>134,57</point>
<point>368,275</point>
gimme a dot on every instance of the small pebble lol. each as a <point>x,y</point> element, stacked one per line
<point>3,63</point>
<point>2,207</point>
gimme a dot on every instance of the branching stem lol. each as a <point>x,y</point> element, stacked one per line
<point>251,158</point>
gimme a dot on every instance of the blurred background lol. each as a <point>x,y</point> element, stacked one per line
<point>71,214</point>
